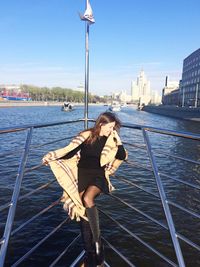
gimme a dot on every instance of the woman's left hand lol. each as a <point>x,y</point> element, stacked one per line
<point>116,136</point>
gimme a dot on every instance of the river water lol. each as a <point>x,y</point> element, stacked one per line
<point>152,234</point>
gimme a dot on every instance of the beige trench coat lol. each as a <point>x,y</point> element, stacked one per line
<point>65,171</point>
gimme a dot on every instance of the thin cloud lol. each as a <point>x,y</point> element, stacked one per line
<point>101,81</point>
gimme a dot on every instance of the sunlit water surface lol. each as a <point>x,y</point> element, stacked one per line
<point>152,234</point>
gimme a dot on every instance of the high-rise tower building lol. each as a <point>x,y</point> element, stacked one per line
<point>140,88</point>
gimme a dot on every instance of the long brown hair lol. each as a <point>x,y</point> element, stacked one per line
<point>103,118</point>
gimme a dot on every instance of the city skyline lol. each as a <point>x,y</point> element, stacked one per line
<point>43,43</point>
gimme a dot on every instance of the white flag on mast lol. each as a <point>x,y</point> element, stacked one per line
<point>88,15</point>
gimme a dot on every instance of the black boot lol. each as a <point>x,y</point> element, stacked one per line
<point>90,260</point>
<point>93,217</point>
<point>88,244</point>
<point>87,237</point>
<point>99,253</point>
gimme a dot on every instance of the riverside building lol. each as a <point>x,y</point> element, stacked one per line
<point>190,88</point>
<point>141,92</point>
<point>171,93</point>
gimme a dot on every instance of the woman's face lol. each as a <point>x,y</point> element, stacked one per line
<point>107,128</point>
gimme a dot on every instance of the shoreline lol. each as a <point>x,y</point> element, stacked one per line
<point>11,104</point>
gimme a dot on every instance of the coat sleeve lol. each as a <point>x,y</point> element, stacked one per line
<point>60,153</point>
<point>121,153</point>
<point>72,152</point>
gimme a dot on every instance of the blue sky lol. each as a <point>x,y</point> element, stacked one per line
<point>43,42</point>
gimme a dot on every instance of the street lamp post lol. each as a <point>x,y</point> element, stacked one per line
<point>196,96</point>
<point>86,74</point>
<point>89,19</point>
<point>183,97</point>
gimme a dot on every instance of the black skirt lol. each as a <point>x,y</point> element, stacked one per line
<point>87,177</point>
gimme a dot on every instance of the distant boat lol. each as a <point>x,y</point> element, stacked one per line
<point>67,106</point>
<point>115,107</point>
<point>16,98</point>
<point>14,95</point>
<point>124,105</point>
<point>140,107</point>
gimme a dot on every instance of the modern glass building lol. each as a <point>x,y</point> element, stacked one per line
<point>190,87</point>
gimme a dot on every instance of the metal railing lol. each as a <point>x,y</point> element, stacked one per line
<point>153,168</point>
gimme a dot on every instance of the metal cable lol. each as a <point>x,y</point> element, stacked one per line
<point>65,250</point>
<point>38,244</point>
<point>6,205</point>
<point>35,217</point>
<point>148,168</point>
<point>158,152</point>
<point>118,253</point>
<point>140,240</point>
<point>182,237</point>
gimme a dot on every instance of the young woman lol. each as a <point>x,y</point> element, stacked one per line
<point>82,169</point>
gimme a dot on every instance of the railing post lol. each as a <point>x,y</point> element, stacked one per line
<point>15,195</point>
<point>164,201</point>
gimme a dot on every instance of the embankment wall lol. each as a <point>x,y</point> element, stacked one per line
<point>184,113</point>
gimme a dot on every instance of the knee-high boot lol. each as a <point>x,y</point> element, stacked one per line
<point>88,243</point>
<point>93,217</point>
